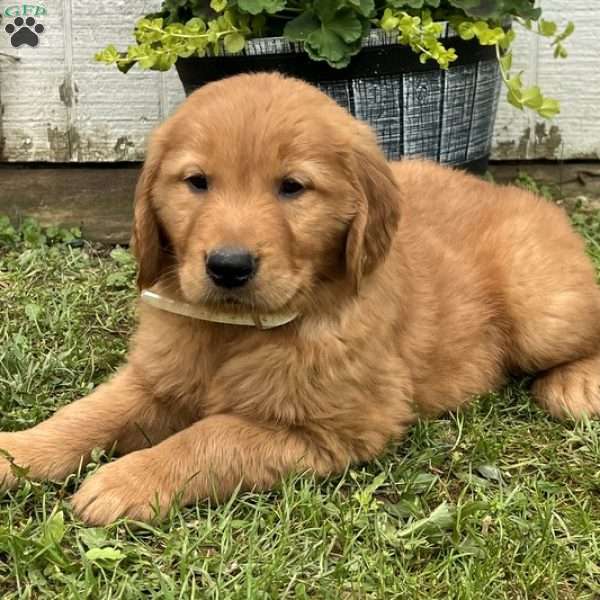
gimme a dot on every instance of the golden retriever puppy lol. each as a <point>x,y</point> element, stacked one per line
<point>366,295</point>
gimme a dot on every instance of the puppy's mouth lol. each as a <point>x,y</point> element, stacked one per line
<point>234,302</point>
<point>246,302</point>
<point>223,298</point>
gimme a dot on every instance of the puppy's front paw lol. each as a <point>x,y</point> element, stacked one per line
<point>129,487</point>
<point>11,460</point>
<point>7,478</point>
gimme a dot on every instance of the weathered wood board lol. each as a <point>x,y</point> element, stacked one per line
<point>99,199</point>
<point>58,105</point>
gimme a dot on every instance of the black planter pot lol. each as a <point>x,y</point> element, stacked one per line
<point>416,109</point>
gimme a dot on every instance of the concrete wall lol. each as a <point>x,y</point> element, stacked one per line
<point>57,104</point>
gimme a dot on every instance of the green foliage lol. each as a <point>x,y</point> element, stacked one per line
<point>33,235</point>
<point>330,31</point>
<point>121,279</point>
<point>527,182</point>
<point>421,33</point>
<point>519,95</point>
<point>8,234</point>
<point>333,31</point>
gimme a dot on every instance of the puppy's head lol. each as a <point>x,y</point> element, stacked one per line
<point>259,190</point>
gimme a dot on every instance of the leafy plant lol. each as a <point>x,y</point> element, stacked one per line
<point>333,31</point>
<point>33,235</point>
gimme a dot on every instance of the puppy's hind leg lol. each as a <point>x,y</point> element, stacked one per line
<point>561,342</point>
<point>563,347</point>
<point>571,390</point>
<point>568,361</point>
<point>553,304</point>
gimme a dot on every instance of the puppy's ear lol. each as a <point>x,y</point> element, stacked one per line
<point>378,212</point>
<point>147,241</point>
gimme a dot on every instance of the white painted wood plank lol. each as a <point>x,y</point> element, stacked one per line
<point>34,123</point>
<point>575,82</point>
<point>575,133</point>
<point>106,116</point>
<point>511,135</point>
<point>174,90</point>
<point>115,112</point>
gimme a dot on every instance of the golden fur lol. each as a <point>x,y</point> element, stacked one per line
<point>417,287</point>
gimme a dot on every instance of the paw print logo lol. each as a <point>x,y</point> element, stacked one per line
<point>23,31</point>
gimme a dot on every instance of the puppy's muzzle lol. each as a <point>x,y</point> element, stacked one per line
<point>231,267</point>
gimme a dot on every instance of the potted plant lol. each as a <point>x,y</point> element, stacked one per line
<point>424,73</point>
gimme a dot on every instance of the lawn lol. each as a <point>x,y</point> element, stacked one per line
<point>499,501</point>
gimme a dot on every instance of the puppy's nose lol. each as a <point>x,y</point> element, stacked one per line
<point>230,267</point>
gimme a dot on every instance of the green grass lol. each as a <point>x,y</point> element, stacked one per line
<point>499,501</point>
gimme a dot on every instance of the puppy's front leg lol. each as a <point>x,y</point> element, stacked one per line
<point>207,460</point>
<point>119,412</point>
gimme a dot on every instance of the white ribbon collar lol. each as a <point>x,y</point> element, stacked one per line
<point>196,312</point>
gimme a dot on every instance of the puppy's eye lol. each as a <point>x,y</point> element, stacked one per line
<point>197,183</point>
<point>290,188</point>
